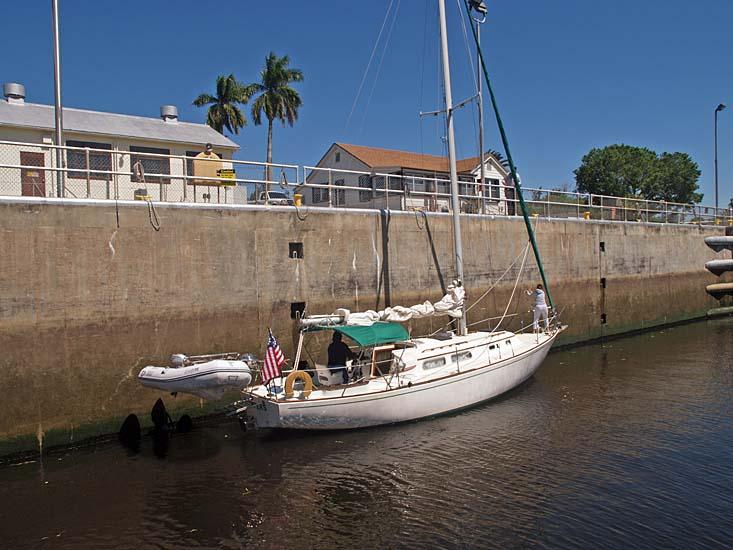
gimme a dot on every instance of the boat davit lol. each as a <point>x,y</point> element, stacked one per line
<point>205,376</point>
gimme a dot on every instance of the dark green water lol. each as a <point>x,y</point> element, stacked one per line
<point>621,446</point>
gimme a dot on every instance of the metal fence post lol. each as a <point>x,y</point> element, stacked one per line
<point>185,179</point>
<point>602,214</point>
<point>107,180</point>
<point>89,187</point>
<point>330,189</point>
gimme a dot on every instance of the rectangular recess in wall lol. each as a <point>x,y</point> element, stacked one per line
<point>295,251</point>
<point>603,318</point>
<point>297,309</point>
<point>602,245</point>
<point>603,282</point>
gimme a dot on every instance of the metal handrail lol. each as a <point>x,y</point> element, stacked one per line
<point>544,202</point>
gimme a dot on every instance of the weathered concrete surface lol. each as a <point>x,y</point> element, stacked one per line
<point>84,305</point>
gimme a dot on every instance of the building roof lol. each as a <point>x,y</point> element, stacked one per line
<point>376,157</point>
<point>34,115</point>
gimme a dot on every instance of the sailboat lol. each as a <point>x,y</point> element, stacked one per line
<point>393,377</point>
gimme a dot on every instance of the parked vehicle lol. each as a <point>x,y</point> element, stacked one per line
<point>277,198</point>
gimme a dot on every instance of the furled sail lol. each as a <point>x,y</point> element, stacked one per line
<point>451,304</point>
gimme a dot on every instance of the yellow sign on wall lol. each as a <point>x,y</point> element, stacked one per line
<point>227,174</point>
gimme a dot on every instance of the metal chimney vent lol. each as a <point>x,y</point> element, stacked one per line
<point>169,113</point>
<point>14,92</point>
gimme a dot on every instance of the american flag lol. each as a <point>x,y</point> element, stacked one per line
<point>274,359</point>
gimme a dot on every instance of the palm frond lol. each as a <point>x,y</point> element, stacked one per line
<point>204,99</point>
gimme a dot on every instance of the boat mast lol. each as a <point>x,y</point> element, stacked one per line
<point>455,202</point>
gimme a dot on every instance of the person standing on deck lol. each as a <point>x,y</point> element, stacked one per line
<point>540,308</point>
<point>338,353</point>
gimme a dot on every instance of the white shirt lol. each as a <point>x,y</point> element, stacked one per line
<point>539,297</point>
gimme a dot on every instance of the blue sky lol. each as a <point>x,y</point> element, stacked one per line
<point>569,74</point>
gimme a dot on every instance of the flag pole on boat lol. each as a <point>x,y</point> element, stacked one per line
<point>512,168</point>
<point>455,202</point>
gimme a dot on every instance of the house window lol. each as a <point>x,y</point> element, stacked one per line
<point>378,183</point>
<point>466,186</point>
<point>77,160</point>
<point>365,182</point>
<point>340,195</point>
<point>338,156</point>
<point>493,189</point>
<point>150,165</point>
<point>189,163</point>
<point>395,183</point>
<point>320,194</point>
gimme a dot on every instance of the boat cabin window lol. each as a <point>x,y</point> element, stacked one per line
<point>461,356</point>
<point>433,363</point>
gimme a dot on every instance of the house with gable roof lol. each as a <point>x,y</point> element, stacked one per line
<point>388,178</point>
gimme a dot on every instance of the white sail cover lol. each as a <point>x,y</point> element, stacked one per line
<point>451,304</point>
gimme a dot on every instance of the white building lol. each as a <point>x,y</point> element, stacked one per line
<point>102,150</point>
<point>403,180</point>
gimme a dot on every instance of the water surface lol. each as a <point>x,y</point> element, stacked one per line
<point>624,445</point>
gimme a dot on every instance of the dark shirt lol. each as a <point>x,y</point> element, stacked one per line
<point>338,353</point>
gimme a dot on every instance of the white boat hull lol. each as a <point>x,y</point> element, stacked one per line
<point>422,400</point>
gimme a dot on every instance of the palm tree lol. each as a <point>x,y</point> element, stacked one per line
<point>277,100</point>
<point>499,158</point>
<point>223,111</point>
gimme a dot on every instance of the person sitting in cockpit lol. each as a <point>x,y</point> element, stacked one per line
<point>338,354</point>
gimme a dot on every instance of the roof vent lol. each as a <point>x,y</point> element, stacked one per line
<point>169,113</point>
<point>14,93</point>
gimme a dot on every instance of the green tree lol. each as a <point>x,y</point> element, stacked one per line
<point>276,99</point>
<point>223,110</point>
<point>626,171</point>
<point>618,170</point>
<point>675,179</point>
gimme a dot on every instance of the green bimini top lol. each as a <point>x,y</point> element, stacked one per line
<point>373,335</point>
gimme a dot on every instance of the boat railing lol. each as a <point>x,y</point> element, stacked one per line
<point>29,169</point>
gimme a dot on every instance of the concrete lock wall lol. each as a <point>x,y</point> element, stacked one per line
<point>84,305</point>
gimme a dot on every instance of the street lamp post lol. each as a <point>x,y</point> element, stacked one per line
<point>719,108</point>
<point>58,112</point>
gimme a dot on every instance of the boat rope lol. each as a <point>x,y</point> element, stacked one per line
<point>512,167</point>
<point>379,67</point>
<point>369,64</point>
<point>523,254</point>
<point>296,190</point>
<point>474,100</point>
<point>139,172</point>
<point>490,319</point>
<point>418,212</point>
<point>514,290</point>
